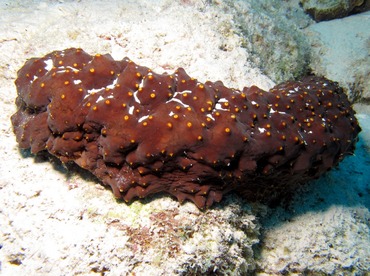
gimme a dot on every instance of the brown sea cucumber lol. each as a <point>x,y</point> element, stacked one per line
<point>143,133</point>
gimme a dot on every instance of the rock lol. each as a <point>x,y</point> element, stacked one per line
<point>272,34</point>
<point>322,10</point>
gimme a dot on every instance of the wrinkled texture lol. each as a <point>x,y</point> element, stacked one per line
<point>144,133</point>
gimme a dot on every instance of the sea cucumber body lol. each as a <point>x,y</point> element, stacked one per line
<point>143,133</point>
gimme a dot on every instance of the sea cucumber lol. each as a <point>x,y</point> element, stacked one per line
<point>143,133</point>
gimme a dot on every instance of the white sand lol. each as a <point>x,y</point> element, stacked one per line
<point>59,222</point>
<point>341,51</point>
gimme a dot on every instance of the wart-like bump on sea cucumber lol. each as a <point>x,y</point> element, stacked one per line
<point>143,133</point>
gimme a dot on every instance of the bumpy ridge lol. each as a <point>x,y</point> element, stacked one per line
<point>144,133</point>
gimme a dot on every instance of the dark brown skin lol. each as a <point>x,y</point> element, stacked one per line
<point>144,133</point>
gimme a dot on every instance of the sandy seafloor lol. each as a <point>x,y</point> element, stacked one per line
<point>60,221</point>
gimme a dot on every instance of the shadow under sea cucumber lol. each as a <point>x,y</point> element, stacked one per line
<point>143,133</point>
